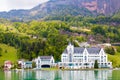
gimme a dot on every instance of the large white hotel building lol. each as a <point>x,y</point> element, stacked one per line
<point>77,57</point>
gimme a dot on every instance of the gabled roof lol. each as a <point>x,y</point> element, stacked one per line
<point>28,62</point>
<point>78,50</point>
<point>8,62</point>
<point>93,50</point>
<point>65,51</point>
<point>45,57</point>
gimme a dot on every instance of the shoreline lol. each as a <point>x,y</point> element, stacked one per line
<point>56,69</point>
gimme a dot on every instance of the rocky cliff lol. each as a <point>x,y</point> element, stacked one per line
<point>65,7</point>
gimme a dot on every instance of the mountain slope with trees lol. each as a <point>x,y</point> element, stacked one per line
<point>64,7</point>
<point>51,35</point>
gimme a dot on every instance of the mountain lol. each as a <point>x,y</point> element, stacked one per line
<point>65,7</point>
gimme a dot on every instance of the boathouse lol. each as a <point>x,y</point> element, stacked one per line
<point>44,62</point>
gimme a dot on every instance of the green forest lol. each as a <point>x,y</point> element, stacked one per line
<point>51,35</point>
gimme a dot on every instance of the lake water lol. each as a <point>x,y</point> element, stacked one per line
<point>61,75</point>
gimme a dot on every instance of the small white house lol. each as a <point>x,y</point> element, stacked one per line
<point>28,64</point>
<point>77,57</point>
<point>25,64</point>
<point>21,63</point>
<point>7,65</point>
<point>44,62</point>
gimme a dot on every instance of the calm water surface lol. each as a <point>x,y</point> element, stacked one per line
<point>61,75</point>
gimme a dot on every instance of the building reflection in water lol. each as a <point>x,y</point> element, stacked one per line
<point>7,75</point>
<point>86,75</point>
<point>45,75</point>
<point>74,75</point>
<point>28,75</point>
<point>59,75</point>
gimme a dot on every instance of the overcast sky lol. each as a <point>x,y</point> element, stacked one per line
<point>6,5</point>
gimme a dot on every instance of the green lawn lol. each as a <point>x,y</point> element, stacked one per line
<point>115,59</point>
<point>49,69</point>
<point>8,53</point>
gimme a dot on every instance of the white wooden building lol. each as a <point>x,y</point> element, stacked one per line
<point>44,61</point>
<point>77,57</point>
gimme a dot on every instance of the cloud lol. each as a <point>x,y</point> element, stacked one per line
<point>7,5</point>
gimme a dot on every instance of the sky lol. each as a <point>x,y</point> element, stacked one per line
<point>6,5</point>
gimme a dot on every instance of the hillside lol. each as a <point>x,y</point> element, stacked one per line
<point>7,53</point>
<point>64,7</point>
<point>51,35</point>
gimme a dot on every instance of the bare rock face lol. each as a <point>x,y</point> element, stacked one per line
<point>91,6</point>
<point>106,7</point>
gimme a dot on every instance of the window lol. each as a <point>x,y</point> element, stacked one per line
<point>52,61</point>
<point>70,50</point>
<point>38,61</point>
<point>101,57</point>
<point>76,64</point>
<point>70,58</point>
<point>101,60</point>
<point>85,57</point>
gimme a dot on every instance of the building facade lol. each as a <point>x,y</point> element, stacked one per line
<point>44,61</point>
<point>7,65</point>
<point>21,63</point>
<point>27,64</point>
<point>77,57</point>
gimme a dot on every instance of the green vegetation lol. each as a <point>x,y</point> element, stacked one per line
<point>7,53</point>
<point>115,56</point>
<point>110,50</point>
<point>49,69</point>
<point>115,59</point>
<point>51,35</point>
<point>118,49</point>
<point>115,75</point>
<point>96,64</point>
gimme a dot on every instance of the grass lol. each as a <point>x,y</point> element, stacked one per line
<point>115,59</point>
<point>115,75</point>
<point>49,69</point>
<point>80,29</point>
<point>8,53</point>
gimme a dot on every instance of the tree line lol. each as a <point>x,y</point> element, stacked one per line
<point>44,37</point>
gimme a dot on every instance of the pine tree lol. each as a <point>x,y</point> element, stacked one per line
<point>96,64</point>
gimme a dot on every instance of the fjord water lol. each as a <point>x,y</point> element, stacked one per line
<point>60,75</point>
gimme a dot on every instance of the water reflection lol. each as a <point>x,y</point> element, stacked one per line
<point>86,75</point>
<point>62,75</point>
<point>7,75</point>
<point>45,75</point>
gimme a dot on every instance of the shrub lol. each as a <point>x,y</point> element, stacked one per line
<point>96,64</point>
<point>110,50</point>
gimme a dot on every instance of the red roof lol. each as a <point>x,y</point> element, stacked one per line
<point>8,62</point>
